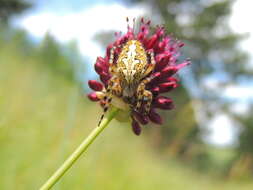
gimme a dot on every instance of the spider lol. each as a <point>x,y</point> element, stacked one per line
<point>129,77</point>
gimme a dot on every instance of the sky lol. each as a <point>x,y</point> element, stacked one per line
<point>82,25</point>
<point>81,20</point>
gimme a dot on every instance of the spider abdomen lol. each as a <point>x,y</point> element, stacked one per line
<point>132,62</point>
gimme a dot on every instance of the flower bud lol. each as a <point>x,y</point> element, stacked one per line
<point>162,60</point>
<point>136,127</point>
<point>93,97</point>
<point>167,86</point>
<point>155,117</point>
<point>99,68</point>
<point>163,102</point>
<point>95,85</point>
<point>151,42</point>
<point>104,77</point>
<point>141,118</point>
<point>155,90</point>
<point>169,71</point>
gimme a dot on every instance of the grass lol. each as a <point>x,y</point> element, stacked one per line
<point>44,118</point>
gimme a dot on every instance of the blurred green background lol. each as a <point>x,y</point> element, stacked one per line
<point>45,113</point>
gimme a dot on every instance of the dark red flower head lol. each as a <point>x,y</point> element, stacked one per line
<point>165,50</point>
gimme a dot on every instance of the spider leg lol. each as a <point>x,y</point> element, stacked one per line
<point>115,82</point>
<point>106,101</point>
<point>108,95</point>
<point>111,60</point>
<point>144,95</point>
<point>113,88</point>
<point>112,66</point>
<point>150,67</point>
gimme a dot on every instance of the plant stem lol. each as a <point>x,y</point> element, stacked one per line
<point>78,152</point>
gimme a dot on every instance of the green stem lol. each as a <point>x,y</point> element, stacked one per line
<point>78,152</point>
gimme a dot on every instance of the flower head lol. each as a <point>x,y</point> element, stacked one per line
<point>136,70</point>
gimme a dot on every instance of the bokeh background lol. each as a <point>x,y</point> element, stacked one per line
<point>47,52</point>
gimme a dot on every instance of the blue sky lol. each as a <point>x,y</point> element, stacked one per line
<point>76,20</point>
<point>67,6</point>
<point>62,19</point>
